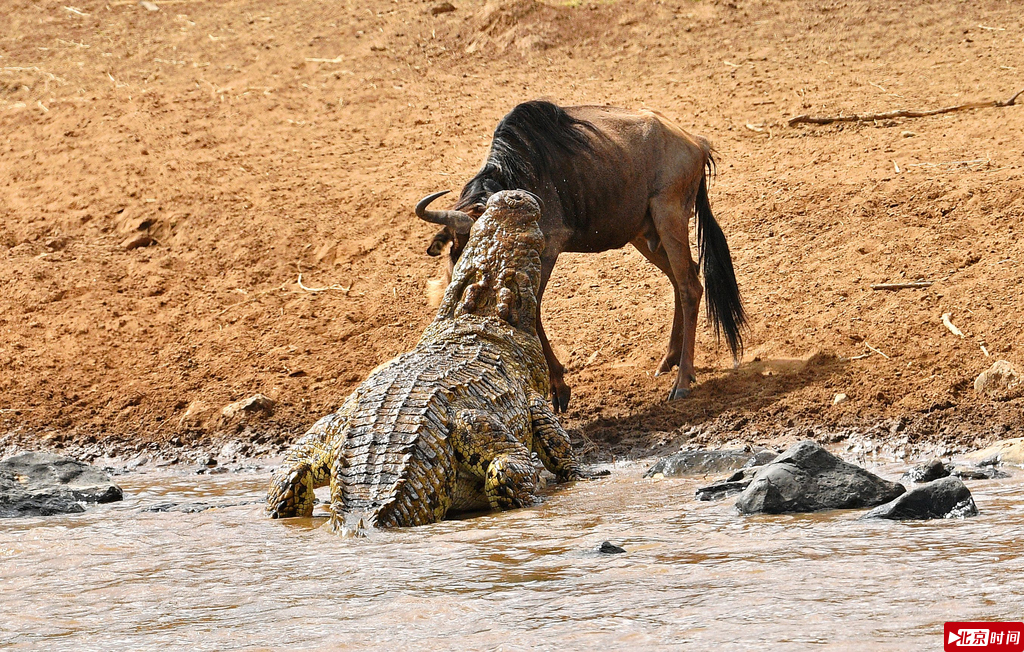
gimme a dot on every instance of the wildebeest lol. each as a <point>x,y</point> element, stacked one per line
<point>609,176</point>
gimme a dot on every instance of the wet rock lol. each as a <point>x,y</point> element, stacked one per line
<point>194,508</point>
<point>978,473</point>
<point>926,472</point>
<point>42,484</point>
<point>730,486</point>
<point>233,450</point>
<point>1000,376</point>
<point>708,462</point>
<point>184,508</point>
<point>254,405</point>
<point>942,498</point>
<point>807,478</point>
<point>1007,451</point>
<point>609,548</point>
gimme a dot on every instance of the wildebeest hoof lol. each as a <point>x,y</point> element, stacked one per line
<point>678,393</point>
<point>560,398</point>
<point>665,367</point>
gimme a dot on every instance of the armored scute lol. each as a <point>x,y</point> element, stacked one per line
<point>452,424</point>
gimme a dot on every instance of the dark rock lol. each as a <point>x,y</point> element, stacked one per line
<point>943,498</point>
<point>443,8</point>
<point>978,473</point>
<point>708,462</point>
<point>926,472</point>
<point>730,486</point>
<point>807,478</point>
<point>43,484</point>
<point>609,548</point>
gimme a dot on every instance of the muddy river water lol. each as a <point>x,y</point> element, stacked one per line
<point>695,575</point>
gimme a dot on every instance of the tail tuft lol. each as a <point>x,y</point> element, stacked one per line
<point>722,294</point>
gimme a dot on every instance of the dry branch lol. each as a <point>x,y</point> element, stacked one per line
<point>902,286</point>
<point>340,288</point>
<point>949,324</point>
<point>871,348</point>
<point>902,113</point>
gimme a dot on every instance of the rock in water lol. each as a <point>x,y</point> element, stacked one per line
<point>978,473</point>
<point>943,498</point>
<point>807,478</point>
<point>707,462</point>
<point>42,484</point>
<point>926,472</point>
<point>609,548</point>
<point>731,486</point>
<point>1007,451</point>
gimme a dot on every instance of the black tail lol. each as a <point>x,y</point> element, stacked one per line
<point>721,292</point>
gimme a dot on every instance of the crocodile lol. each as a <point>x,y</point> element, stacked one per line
<point>452,425</point>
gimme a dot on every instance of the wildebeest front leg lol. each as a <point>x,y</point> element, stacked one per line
<point>670,212</point>
<point>560,392</point>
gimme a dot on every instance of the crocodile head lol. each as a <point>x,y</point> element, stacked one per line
<point>499,271</point>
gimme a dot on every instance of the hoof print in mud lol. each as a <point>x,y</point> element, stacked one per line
<point>808,478</point>
<point>943,498</point>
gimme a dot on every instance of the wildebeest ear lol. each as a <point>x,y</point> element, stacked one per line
<point>437,244</point>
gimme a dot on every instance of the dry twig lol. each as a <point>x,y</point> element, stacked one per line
<point>877,351</point>
<point>341,288</point>
<point>949,324</point>
<point>902,286</point>
<point>902,113</point>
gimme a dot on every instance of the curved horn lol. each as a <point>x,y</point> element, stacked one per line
<point>460,222</point>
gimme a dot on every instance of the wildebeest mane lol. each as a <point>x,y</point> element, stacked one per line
<point>532,142</point>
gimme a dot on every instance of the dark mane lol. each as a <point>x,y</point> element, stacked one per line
<point>531,142</point>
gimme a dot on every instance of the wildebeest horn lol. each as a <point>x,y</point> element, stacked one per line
<point>457,220</point>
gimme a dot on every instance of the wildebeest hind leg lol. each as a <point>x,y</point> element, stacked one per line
<point>670,219</point>
<point>675,341</point>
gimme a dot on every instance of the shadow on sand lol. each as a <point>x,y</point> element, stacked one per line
<point>738,394</point>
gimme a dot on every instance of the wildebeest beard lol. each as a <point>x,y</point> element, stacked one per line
<point>499,271</point>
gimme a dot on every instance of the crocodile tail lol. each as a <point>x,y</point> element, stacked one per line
<point>349,524</point>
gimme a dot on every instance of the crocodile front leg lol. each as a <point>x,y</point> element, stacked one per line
<point>552,442</point>
<point>307,467</point>
<point>489,451</point>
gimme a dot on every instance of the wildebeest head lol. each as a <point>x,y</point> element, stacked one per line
<point>472,203</point>
<point>499,272</point>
